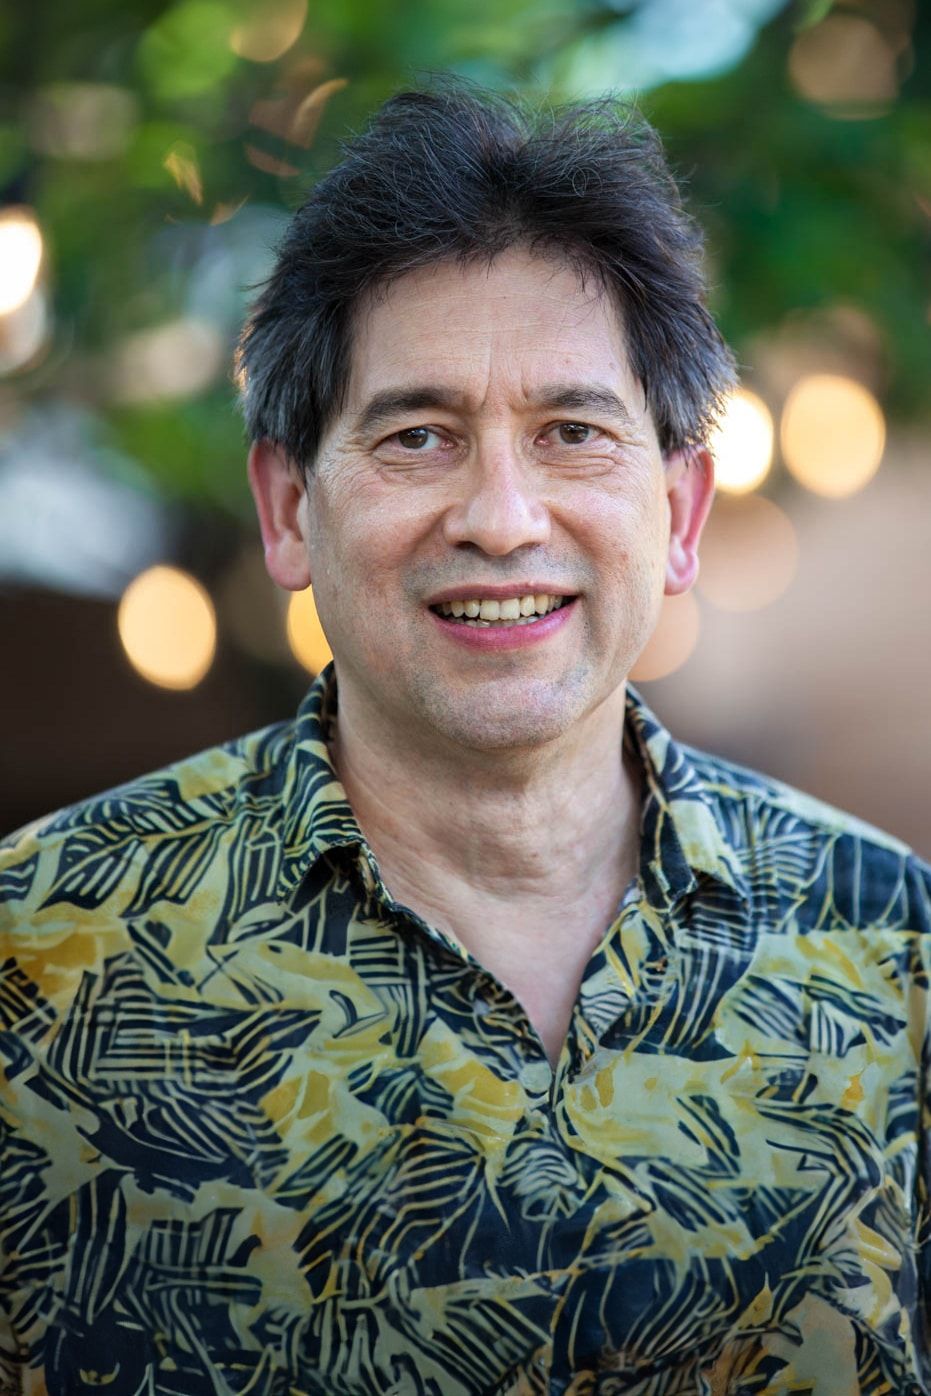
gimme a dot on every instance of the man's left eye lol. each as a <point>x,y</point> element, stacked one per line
<point>574,433</point>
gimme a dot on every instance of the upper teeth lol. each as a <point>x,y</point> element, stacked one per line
<point>512,609</point>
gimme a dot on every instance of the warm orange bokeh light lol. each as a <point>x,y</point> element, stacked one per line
<point>308,643</point>
<point>271,28</point>
<point>742,445</point>
<point>845,62</point>
<point>833,434</point>
<point>168,627</point>
<point>749,554</point>
<point>177,359</point>
<point>673,640</point>
<point>20,257</point>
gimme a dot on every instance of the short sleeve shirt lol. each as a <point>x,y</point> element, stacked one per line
<point>264,1130</point>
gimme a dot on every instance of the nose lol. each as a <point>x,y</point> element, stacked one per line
<point>500,508</point>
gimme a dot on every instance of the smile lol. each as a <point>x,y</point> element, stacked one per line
<point>514,610</point>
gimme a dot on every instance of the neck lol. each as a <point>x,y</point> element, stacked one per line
<point>544,823</point>
<point>522,856</point>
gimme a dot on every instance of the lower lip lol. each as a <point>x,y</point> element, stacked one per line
<point>506,637</point>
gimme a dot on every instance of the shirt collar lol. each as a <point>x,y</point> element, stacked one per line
<point>317,816</point>
<point>681,831</point>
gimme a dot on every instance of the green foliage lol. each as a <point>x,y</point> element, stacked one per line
<point>187,51</point>
<point>195,449</point>
<point>12,151</point>
<point>813,12</point>
<point>806,206</point>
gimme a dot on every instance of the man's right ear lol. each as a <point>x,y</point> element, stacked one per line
<point>277,486</point>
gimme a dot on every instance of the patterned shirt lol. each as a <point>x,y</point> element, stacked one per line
<point>263,1130</point>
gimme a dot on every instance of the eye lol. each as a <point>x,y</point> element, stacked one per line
<point>417,438</point>
<point>574,433</point>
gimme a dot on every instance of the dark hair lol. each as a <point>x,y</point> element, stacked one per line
<point>456,173</point>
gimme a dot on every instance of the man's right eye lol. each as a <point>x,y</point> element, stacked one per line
<point>415,438</point>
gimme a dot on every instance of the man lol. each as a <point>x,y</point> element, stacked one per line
<point>466,1035</point>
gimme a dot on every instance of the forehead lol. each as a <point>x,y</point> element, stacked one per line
<point>483,328</point>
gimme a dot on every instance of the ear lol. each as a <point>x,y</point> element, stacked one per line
<point>690,491</point>
<point>280,500</point>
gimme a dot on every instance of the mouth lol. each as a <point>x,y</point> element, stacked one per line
<point>486,613</point>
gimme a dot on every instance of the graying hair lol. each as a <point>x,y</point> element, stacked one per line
<point>453,173</point>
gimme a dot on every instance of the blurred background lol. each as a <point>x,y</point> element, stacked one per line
<point>149,157</point>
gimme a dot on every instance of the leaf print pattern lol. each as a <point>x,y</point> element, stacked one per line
<point>264,1131</point>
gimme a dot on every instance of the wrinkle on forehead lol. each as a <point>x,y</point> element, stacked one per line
<point>499,359</point>
<point>588,277</point>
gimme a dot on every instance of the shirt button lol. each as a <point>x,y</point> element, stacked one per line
<point>535,1077</point>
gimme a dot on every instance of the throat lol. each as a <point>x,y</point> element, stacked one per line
<point>540,954</point>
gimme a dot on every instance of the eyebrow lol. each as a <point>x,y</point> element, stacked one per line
<point>577,397</point>
<point>396,402</point>
<point>390,403</point>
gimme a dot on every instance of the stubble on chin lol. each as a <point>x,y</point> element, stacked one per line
<point>507,715</point>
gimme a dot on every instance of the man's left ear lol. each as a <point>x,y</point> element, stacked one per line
<point>690,491</point>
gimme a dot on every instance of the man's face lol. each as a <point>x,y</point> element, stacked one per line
<point>494,446</point>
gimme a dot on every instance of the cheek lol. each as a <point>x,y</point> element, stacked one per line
<point>363,527</point>
<point>336,539</point>
<point>356,561</point>
<point>629,535</point>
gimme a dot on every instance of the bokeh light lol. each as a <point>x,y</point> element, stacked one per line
<point>844,62</point>
<point>833,434</point>
<point>305,633</point>
<point>186,51</point>
<point>271,28</point>
<point>82,120</point>
<point>24,333</point>
<point>311,108</point>
<point>168,627</point>
<point>175,360</point>
<point>749,553</point>
<point>673,640</point>
<point>182,164</point>
<point>293,117</point>
<point>742,445</point>
<point>20,257</point>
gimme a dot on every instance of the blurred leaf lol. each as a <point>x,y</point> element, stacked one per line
<point>811,12</point>
<point>150,147</point>
<point>12,153</point>
<point>195,449</point>
<point>182,164</point>
<point>188,49</point>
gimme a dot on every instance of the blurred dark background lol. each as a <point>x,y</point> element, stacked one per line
<point>149,156</point>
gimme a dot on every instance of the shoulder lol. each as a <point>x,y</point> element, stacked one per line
<point>90,854</point>
<point>809,849</point>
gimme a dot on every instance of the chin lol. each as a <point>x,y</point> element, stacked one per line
<point>524,717</point>
<point>504,735</point>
